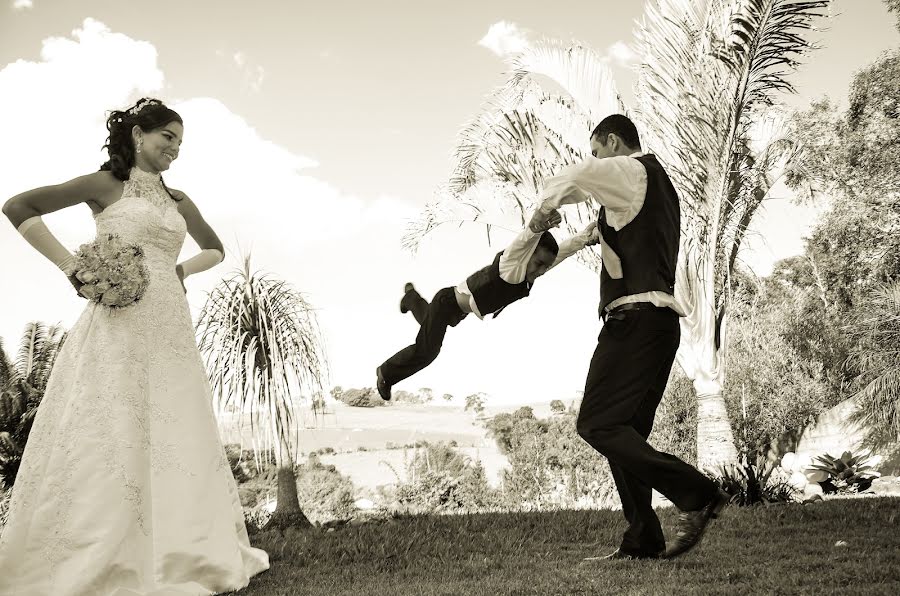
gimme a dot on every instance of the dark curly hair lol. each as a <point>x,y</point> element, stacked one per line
<point>151,114</point>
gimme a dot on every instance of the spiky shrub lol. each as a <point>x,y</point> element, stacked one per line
<point>846,474</point>
<point>751,483</point>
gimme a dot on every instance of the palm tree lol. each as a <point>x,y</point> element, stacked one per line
<point>22,385</point>
<point>707,101</point>
<point>705,105</point>
<point>877,354</point>
<point>264,353</point>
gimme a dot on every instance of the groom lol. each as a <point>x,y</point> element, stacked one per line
<point>639,226</point>
<point>507,279</point>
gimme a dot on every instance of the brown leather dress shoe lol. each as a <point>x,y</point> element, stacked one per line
<point>692,524</point>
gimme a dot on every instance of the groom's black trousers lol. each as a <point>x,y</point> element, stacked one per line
<point>433,319</point>
<point>625,383</point>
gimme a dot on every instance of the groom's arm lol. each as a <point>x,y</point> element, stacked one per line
<point>619,184</point>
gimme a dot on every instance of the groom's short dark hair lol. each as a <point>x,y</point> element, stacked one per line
<point>621,125</point>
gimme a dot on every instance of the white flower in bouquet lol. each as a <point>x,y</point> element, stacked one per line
<point>112,271</point>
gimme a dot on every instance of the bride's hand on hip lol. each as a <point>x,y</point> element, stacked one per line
<point>75,284</point>
<point>180,272</point>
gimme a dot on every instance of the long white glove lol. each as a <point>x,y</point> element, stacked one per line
<point>206,259</point>
<point>35,231</point>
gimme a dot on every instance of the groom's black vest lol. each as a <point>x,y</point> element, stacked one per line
<point>492,294</point>
<point>648,245</point>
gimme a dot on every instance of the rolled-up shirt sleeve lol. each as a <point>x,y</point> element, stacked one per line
<point>572,245</point>
<point>514,260</point>
<point>619,184</point>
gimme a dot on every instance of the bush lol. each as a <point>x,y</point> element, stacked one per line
<point>362,398</point>
<point>438,457</point>
<point>675,426</point>
<point>550,465</point>
<point>771,390</point>
<point>751,485</point>
<point>441,479</point>
<point>325,494</point>
<point>405,397</point>
<point>475,402</point>
<point>846,474</point>
<point>243,465</point>
<point>441,491</point>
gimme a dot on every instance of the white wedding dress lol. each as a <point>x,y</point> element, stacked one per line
<point>124,487</point>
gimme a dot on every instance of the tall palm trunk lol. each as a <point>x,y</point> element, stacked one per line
<point>702,358</point>
<point>287,511</point>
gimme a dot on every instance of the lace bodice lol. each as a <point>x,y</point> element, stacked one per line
<point>148,216</point>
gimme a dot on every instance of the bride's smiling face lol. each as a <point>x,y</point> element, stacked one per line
<point>159,147</point>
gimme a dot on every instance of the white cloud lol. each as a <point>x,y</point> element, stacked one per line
<point>22,4</point>
<point>55,108</point>
<point>504,38</point>
<point>256,194</point>
<point>621,53</point>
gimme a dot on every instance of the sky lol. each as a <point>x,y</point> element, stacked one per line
<point>313,133</point>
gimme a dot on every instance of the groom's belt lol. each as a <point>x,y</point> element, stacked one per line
<point>606,314</point>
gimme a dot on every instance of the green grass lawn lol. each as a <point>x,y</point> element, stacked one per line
<point>785,549</point>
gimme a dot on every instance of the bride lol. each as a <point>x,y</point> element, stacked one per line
<point>124,487</point>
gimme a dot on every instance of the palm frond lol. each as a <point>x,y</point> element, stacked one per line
<point>491,203</point>
<point>765,45</point>
<point>522,136</point>
<point>38,349</point>
<point>876,329</point>
<point>519,146</point>
<point>8,372</point>
<point>578,69</point>
<point>709,70</point>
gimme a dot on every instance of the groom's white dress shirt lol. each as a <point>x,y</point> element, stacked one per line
<point>619,185</point>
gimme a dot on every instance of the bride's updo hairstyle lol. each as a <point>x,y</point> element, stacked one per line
<point>149,114</point>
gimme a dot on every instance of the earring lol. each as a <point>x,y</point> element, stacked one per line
<point>139,143</point>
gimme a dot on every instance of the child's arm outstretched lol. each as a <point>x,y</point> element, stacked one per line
<point>589,236</point>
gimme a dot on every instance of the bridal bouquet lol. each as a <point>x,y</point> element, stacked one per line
<point>112,271</point>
